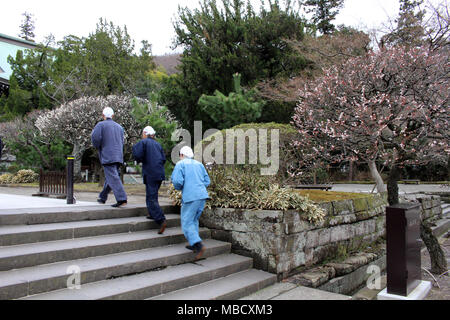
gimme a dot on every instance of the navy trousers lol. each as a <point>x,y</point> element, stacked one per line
<point>113,182</point>
<point>151,198</point>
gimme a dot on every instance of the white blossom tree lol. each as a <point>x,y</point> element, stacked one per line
<point>74,122</point>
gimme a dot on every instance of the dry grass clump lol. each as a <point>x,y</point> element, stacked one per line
<point>247,189</point>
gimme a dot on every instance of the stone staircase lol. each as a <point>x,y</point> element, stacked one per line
<point>445,210</point>
<point>115,254</point>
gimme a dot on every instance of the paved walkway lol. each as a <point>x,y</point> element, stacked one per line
<point>402,188</point>
<point>21,198</point>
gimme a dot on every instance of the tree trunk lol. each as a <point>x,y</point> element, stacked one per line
<point>392,185</point>
<point>350,171</point>
<point>448,168</point>
<point>77,152</point>
<point>437,256</point>
<point>45,163</point>
<point>376,176</point>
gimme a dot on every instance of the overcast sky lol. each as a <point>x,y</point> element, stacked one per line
<point>148,19</point>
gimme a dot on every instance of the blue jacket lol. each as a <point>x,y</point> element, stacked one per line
<point>191,178</point>
<point>151,154</point>
<point>107,138</point>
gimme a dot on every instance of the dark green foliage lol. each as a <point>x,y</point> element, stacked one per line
<point>324,12</point>
<point>287,152</point>
<point>27,157</point>
<point>221,42</point>
<point>27,27</point>
<point>409,29</point>
<point>227,111</point>
<point>104,63</point>
<point>277,111</point>
<point>159,118</point>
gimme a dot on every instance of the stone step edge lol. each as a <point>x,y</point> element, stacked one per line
<point>149,284</point>
<point>64,214</point>
<point>23,234</point>
<point>35,280</point>
<point>73,249</point>
<point>242,284</point>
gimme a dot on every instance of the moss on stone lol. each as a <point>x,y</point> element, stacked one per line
<point>360,204</point>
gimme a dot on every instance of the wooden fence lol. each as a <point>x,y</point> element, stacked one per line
<point>52,183</point>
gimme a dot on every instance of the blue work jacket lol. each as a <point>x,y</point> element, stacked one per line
<point>191,178</point>
<point>107,138</point>
<point>150,153</point>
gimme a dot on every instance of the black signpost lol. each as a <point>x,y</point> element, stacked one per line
<point>403,246</point>
<point>70,198</point>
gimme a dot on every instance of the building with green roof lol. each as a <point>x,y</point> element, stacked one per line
<point>9,47</point>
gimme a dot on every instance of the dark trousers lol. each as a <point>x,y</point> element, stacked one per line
<point>113,183</point>
<point>151,198</point>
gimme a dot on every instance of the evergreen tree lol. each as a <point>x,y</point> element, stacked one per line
<point>220,41</point>
<point>410,27</point>
<point>27,27</point>
<point>102,64</point>
<point>324,12</point>
<point>236,108</point>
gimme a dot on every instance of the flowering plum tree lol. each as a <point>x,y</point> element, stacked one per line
<point>391,105</point>
<point>74,121</point>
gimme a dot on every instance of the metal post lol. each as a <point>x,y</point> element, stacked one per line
<point>70,199</point>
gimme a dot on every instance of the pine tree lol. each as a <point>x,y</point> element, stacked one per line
<point>324,12</point>
<point>27,27</point>
<point>409,30</point>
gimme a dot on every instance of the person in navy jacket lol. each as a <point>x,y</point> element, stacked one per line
<point>191,177</point>
<point>149,152</point>
<point>108,137</point>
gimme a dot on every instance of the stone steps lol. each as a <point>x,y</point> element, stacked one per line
<point>445,209</point>
<point>68,214</point>
<point>153,283</point>
<point>27,255</point>
<point>227,288</point>
<point>39,279</point>
<point>21,234</point>
<point>116,253</point>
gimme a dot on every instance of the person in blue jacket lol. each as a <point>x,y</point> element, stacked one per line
<point>149,152</point>
<point>108,137</point>
<point>191,177</point>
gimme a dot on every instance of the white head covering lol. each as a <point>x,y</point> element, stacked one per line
<point>149,131</point>
<point>108,112</point>
<point>187,152</point>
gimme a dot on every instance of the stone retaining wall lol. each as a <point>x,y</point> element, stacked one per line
<point>430,204</point>
<point>279,241</point>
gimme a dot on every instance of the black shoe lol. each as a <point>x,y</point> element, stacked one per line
<point>119,204</point>
<point>162,228</point>
<point>101,201</point>
<point>199,249</point>
<point>190,248</point>
<point>149,218</point>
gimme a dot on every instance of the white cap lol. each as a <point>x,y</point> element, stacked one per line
<point>149,131</point>
<point>187,152</point>
<point>108,112</point>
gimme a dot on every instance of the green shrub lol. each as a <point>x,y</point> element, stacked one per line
<point>288,155</point>
<point>247,189</point>
<point>25,176</point>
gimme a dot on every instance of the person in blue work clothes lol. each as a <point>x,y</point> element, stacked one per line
<point>191,178</point>
<point>151,154</point>
<point>107,137</point>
